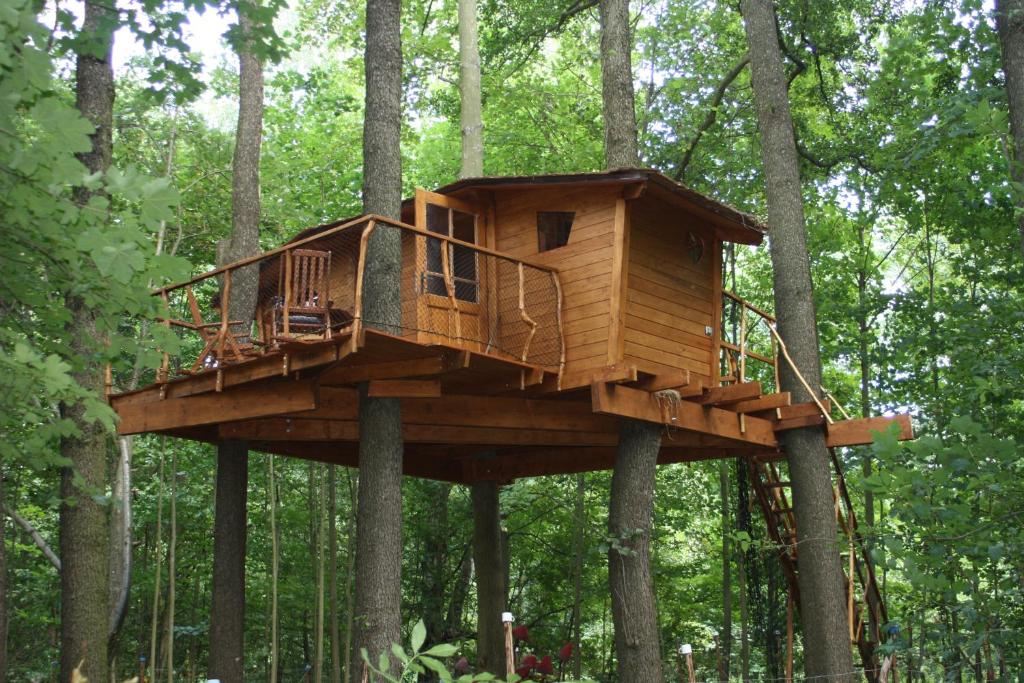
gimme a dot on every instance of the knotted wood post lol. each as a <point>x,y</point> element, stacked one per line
<point>687,651</point>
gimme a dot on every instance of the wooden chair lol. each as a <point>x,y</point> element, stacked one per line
<point>305,308</point>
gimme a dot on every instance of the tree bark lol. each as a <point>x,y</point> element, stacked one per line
<point>318,657</point>
<point>227,614</point>
<point>823,609</point>
<point>378,570</point>
<point>1010,24</point>
<point>620,148</point>
<point>637,638</point>
<point>469,93</point>
<point>158,560</point>
<point>84,532</point>
<point>490,578</point>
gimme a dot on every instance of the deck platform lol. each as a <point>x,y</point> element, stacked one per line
<point>467,415</point>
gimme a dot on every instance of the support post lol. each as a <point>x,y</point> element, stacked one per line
<point>510,654</point>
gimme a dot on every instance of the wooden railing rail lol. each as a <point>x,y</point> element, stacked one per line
<point>734,354</point>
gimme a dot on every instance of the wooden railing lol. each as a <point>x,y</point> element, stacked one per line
<point>747,335</point>
<point>450,292</point>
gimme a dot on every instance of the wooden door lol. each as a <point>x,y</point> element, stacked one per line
<point>450,277</point>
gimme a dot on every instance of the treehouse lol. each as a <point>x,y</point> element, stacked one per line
<point>536,312</point>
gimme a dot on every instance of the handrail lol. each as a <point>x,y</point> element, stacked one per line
<point>540,310</point>
<point>739,346</point>
<point>365,218</point>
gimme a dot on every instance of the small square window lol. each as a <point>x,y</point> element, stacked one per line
<point>553,228</point>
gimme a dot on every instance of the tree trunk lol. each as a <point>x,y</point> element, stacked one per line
<point>318,661</point>
<point>120,539</point>
<point>158,560</point>
<point>579,545</point>
<point>274,564</point>
<point>726,635</point>
<point>1010,23</point>
<point>379,517</point>
<point>172,549</point>
<point>227,625</point>
<point>350,556</point>
<point>823,609</point>
<point>3,583</point>
<point>332,517</point>
<point>490,578</point>
<point>435,558</point>
<point>227,614</point>
<point>469,93</point>
<point>620,149</point>
<point>637,639</point>
<point>84,533</point>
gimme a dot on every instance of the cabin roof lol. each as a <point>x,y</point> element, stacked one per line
<point>733,225</point>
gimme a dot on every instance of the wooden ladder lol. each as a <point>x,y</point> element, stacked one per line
<point>866,613</point>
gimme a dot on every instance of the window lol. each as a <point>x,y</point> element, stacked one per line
<point>461,226</point>
<point>553,229</point>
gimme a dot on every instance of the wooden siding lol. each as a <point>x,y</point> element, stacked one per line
<point>670,300</point>
<point>584,264</point>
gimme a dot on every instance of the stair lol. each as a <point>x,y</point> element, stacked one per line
<point>866,613</point>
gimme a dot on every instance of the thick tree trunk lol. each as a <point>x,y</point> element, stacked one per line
<point>227,615</point>
<point>378,568</point>
<point>620,149</point>
<point>823,609</point>
<point>469,93</point>
<point>84,532</point>
<point>227,625</point>
<point>637,639</point>
<point>490,578</point>
<point>1010,23</point>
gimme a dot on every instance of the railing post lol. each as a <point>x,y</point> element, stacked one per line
<point>357,318</point>
<point>449,285</point>
<point>561,331</point>
<point>225,316</point>
<point>523,315</point>
<point>743,343</point>
<point>165,363</point>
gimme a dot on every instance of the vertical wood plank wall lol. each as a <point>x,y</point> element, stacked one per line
<point>669,298</point>
<point>584,264</point>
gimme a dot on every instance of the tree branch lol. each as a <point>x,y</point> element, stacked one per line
<point>36,537</point>
<point>712,114</point>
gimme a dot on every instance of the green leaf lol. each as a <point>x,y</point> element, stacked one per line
<point>437,667</point>
<point>419,635</point>
<point>442,650</point>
